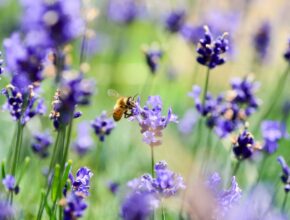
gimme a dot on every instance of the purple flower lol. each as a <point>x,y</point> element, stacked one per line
<point>210,51</point>
<point>1,64</point>
<point>192,33</point>
<point>244,146</point>
<point>74,206</point>
<point>151,120</point>
<point>81,183</point>
<point>138,205</point>
<point>103,126</point>
<point>287,52</point>
<point>15,104</point>
<point>123,11</point>
<point>84,142</point>
<point>153,55</point>
<point>225,199</point>
<point>285,177</point>
<point>10,183</point>
<point>165,184</point>
<point>175,20</point>
<point>41,143</point>
<point>261,40</point>
<point>188,121</point>
<point>74,90</point>
<point>113,187</point>
<point>7,211</point>
<point>55,23</point>
<point>272,132</point>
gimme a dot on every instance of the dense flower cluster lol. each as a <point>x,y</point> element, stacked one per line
<point>244,146</point>
<point>225,199</point>
<point>175,20</point>
<point>55,23</point>
<point>151,120</point>
<point>123,11</point>
<point>23,107</point>
<point>103,126</point>
<point>210,50</point>
<point>74,90</point>
<point>74,206</point>
<point>272,132</point>
<point>81,183</point>
<point>41,143</point>
<point>84,142</point>
<point>261,40</point>
<point>153,55</point>
<point>285,177</point>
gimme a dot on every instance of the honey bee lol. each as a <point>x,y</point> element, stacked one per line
<point>124,105</point>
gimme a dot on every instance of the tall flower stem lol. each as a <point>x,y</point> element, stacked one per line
<point>261,168</point>
<point>17,148</point>
<point>67,143</point>
<point>205,86</point>
<point>163,215</point>
<point>152,161</point>
<point>284,202</point>
<point>236,168</point>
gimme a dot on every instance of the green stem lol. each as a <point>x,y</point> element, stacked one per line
<point>205,86</point>
<point>163,213</point>
<point>52,161</point>
<point>67,143</point>
<point>152,161</point>
<point>17,148</point>
<point>236,169</point>
<point>260,175</point>
<point>284,202</point>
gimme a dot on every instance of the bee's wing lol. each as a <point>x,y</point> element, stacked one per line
<point>113,93</point>
<point>110,113</point>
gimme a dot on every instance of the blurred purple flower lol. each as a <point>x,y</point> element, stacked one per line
<point>81,183</point>
<point>113,187</point>
<point>138,205</point>
<point>10,183</point>
<point>153,54</point>
<point>244,146</point>
<point>123,11</point>
<point>54,22</point>
<point>226,199</point>
<point>103,126</point>
<point>84,142</point>
<point>175,20</point>
<point>151,120</point>
<point>285,177</point>
<point>192,33</point>
<point>188,121</point>
<point>7,211</point>
<point>261,40</point>
<point>287,52</point>
<point>272,132</point>
<point>209,50</point>
<point>74,90</point>
<point>41,143</point>
<point>74,206</point>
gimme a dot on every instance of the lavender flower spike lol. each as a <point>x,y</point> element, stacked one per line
<point>10,183</point>
<point>285,177</point>
<point>74,206</point>
<point>272,132</point>
<point>84,142</point>
<point>41,143</point>
<point>82,181</point>
<point>103,126</point>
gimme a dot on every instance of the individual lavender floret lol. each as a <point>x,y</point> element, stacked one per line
<point>287,52</point>
<point>74,206</point>
<point>54,22</point>
<point>165,184</point>
<point>244,146</point>
<point>153,54</point>
<point>74,90</point>
<point>272,132</point>
<point>210,50</point>
<point>188,121</point>
<point>138,205</point>
<point>10,183</point>
<point>24,62</point>
<point>123,11</point>
<point>261,40</point>
<point>84,142</point>
<point>41,143</point>
<point>15,104</point>
<point>243,94</point>
<point>175,20</point>
<point>225,199</point>
<point>191,33</point>
<point>285,177</point>
<point>81,183</point>
<point>103,126</point>
<point>151,120</point>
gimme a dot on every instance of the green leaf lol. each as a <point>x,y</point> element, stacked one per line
<point>3,169</point>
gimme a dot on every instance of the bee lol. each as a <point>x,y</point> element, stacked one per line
<point>124,105</point>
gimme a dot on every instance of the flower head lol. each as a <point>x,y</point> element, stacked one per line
<point>153,55</point>
<point>81,183</point>
<point>103,126</point>
<point>244,146</point>
<point>261,40</point>
<point>10,183</point>
<point>74,206</point>
<point>287,53</point>
<point>41,143</point>
<point>123,11</point>
<point>84,142</point>
<point>285,177</point>
<point>175,20</point>
<point>151,120</point>
<point>210,51</point>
